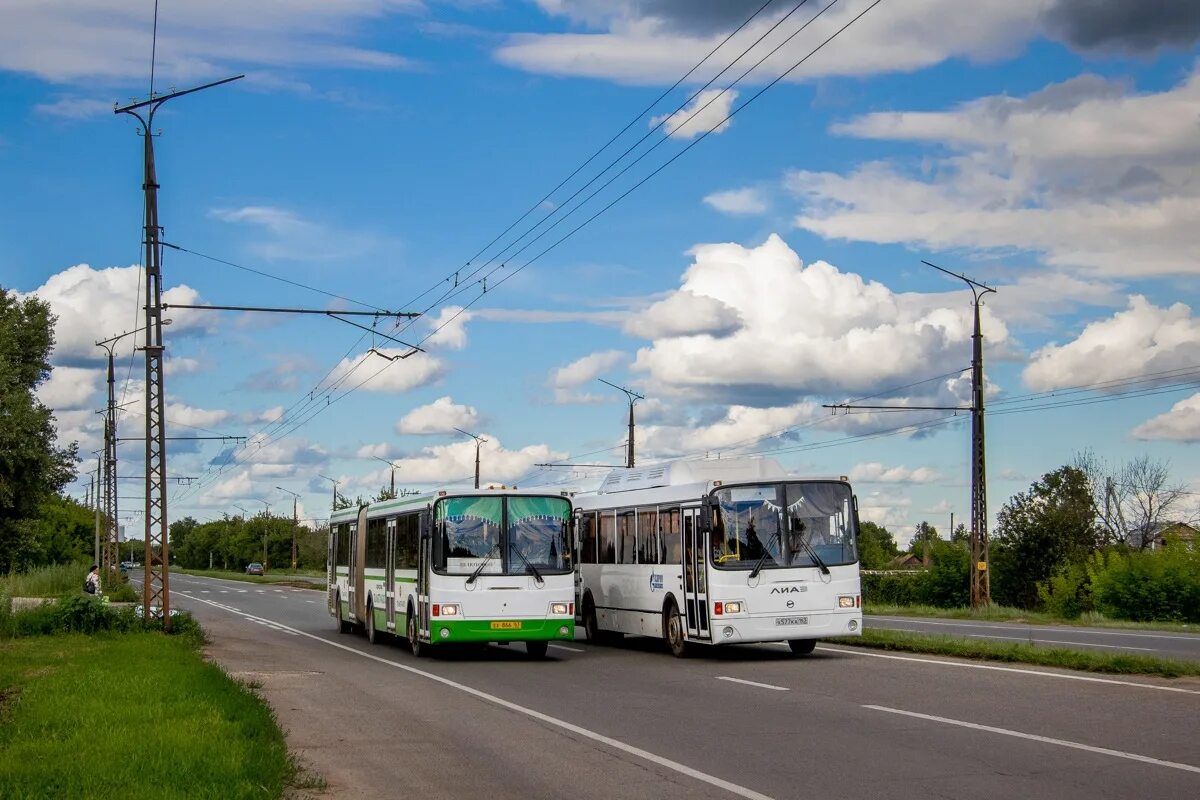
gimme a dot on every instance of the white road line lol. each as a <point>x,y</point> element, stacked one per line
<point>310,601</point>
<point>558,646</point>
<point>205,591</point>
<point>995,626</point>
<point>1053,641</point>
<point>1033,737</point>
<point>753,683</point>
<point>616,744</point>
<point>854,651</point>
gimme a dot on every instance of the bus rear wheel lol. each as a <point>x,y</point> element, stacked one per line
<point>372,634</point>
<point>414,640</point>
<point>802,647</point>
<point>342,625</point>
<point>674,633</point>
<point>536,650</point>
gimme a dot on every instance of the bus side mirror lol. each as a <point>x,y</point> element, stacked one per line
<point>707,505</point>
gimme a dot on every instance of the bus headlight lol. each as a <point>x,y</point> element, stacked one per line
<point>733,608</point>
<point>845,601</point>
<point>448,609</point>
<point>559,608</point>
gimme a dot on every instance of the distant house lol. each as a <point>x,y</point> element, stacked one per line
<point>1162,532</point>
<point>906,561</point>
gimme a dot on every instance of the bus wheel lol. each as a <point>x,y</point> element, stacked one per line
<point>414,640</point>
<point>591,625</point>
<point>802,647</point>
<point>536,650</point>
<point>342,625</point>
<point>674,633</point>
<point>372,634</point>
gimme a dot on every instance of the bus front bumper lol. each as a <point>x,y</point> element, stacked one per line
<point>781,627</point>
<point>446,630</point>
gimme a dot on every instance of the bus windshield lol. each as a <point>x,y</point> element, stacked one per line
<point>784,525</point>
<point>501,535</point>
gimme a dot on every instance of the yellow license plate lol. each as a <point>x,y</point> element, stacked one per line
<point>507,626</point>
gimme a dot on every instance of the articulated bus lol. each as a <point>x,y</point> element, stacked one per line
<point>455,566</point>
<point>718,552</point>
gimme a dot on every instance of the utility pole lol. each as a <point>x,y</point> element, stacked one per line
<point>157,588</point>
<point>633,398</point>
<point>981,583</point>
<point>96,505</point>
<point>266,530</point>
<point>333,505</point>
<point>393,466</point>
<point>478,441</point>
<point>296,520</point>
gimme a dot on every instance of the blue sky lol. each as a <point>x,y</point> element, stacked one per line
<point>1048,147</point>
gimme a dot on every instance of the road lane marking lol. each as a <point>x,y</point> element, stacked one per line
<point>963,665</point>
<point>558,646</point>
<point>310,601</point>
<point>753,683</point>
<point>1050,641</point>
<point>616,744</point>
<point>996,626</point>
<point>1033,737</point>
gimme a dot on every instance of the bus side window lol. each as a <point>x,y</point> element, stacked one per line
<point>406,541</point>
<point>626,535</point>
<point>376,544</point>
<point>607,542</point>
<point>672,548</point>
<point>587,538</point>
<point>648,536</point>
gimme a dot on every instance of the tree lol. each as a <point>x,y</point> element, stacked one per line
<point>876,546</point>
<point>32,465</point>
<point>1133,501</point>
<point>960,535</point>
<point>385,493</point>
<point>1040,532</point>
<point>923,540</point>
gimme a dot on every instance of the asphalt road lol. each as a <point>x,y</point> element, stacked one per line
<point>631,721</point>
<point>1161,644</point>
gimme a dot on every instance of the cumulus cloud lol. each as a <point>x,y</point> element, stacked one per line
<point>1143,339</point>
<point>738,201</point>
<point>235,487</point>
<point>456,462</point>
<point>684,313</point>
<point>706,113</point>
<point>1088,173</point>
<point>892,511</point>
<point>1124,27</point>
<point>1180,424</point>
<point>806,329</point>
<point>265,417</point>
<point>71,388</point>
<point>401,375</point>
<point>567,380</point>
<point>441,416</point>
<point>450,328</point>
<point>738,425</point>
<point>875,472</point>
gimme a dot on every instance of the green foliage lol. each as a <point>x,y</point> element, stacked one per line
<point>232,543</point>
<point>876,546</point>
<point>50,581</point>
<point>946,584</point>
<point>1068,594</point>
<point>1157,585</point>
<point>893,590</point>
<point>925,534</point>
<point>1039,533</point>
<point>32,465</point>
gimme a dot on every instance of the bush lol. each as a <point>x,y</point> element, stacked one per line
<point>1069,593</point>
<point>947,584</point>
<point>892,590</point>
<point>1154,586</point>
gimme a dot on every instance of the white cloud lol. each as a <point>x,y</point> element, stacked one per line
<point>402,375</point>
<point>1140,340</point>
<point>182,365</point>
<point>738,201</point>
<point>266,416</point>
<point>806,330</point>
<point>380,450</point>
<point>456,462</point>
<point>684,313</point>
<point>451,328</point>
<point>74,108</point>
<point>71,388</point>
<point>706,113</point>
<point>233,488</point>
<point>1180,424</point>
<point>739,425</point>
<point>566,380</point>
<point>291,236</point>
<point>1088,173</point>
<point>109,40</point>
<point>875,472</point>
<point>190,416</point>
<point>441,416</point>
<point>648,43</point>
<point>889,510</point>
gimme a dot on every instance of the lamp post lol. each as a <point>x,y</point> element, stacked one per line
<point>332,505</point>
<point>478,441</point>
<point>295,521</point>
<point>266,529</point>
<point>394,468</point>
<point>239,508</point>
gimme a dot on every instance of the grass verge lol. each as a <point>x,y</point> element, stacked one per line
<point>131,715</point>
<point>274,580</point>
<point>1016,652</point>
<point>1010,614</point>
<point>52,581</point>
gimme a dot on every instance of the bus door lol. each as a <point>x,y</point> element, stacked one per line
<point>352,578</point>
<point>424,555</point>
<point>331,569</point>
<point>389,575</point>
<point>695,583</point>
<point>577,541</point>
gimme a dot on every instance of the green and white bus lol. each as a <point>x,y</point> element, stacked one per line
<point>451,566</point>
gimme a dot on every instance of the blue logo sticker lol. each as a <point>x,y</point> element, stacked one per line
<point>656,581</point>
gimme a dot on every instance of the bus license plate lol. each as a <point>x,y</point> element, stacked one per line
<point>791,620</point>
<point>514,625</point>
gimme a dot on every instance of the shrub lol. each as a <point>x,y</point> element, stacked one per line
<point>892,590</point>
<point>1069,593</point>
<point>947,584</point>
<point>1154,586</point>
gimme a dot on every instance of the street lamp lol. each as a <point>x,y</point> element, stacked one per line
<point>394,468</point>
<point>333,505</point>
<point>239,508</point>
<point>266,529</point>
<point>295,521</point>
<point>478,441</point>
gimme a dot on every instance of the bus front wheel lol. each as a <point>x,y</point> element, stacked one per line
<point>536,650</point>
<point>674,633</point>
<point>802,647</point>
<point>414,640</point>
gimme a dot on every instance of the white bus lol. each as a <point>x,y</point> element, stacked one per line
<point>455,566</point>
<point>718,552</point>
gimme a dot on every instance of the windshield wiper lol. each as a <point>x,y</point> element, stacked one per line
<point>483,563</point>
<point>812,553</point>
<point>537,575</point>
<point>762,559</point>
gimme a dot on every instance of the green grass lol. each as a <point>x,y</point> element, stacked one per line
<point>52,581</point>
<point>277,580</point>
<point>131,715</point>
<point>995,613</point>
<point>1015,652</point>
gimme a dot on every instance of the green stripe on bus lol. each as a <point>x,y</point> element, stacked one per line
<point>481,630</point>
